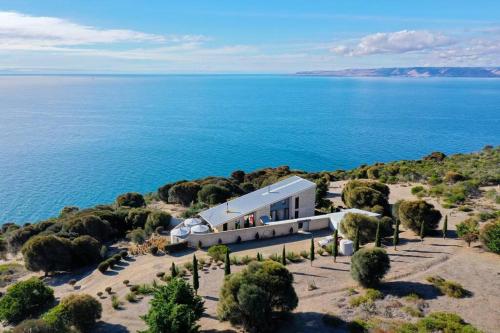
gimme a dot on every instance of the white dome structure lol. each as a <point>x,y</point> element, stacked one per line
<point>191,222</point>
<point>199,229</point>
<point>180,232</point>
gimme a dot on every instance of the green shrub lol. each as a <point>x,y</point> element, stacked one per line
<point>468,230</point>
<point>25,299</point>
<point>137,236</point>
<point>184,193</point>
<point>490,236</point>
<point>250,296</point>
<point>444,322</point>
<point>414,312</point>
<point>136,218</point>
<point>293,257</point>
<point>417,190</point>
<point>366,195</point>
<point>447,287</point>
<point>304,254</point>
<point>174,308</point>
<point>367,227</point>
<point>39,254</point>
<point>130,199</point>
<point>218,252</point>
<point>369,265</point>
<point>131,297</point>
<point>33,326</point>
<point>80,311</point>
<point>213,194</point>
<point>413,213</point>
<point>157,219</point>
<point>116,303</point>
<point>370,296</point>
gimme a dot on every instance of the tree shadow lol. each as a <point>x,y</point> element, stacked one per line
<point>103,327</point>
<point>306,274</point>
<point>58,279</point>
<point>211,298</point>
<point>404,288</point>
<point>408,255</point>
<point>454,245</point>
<point>423,251</point>
<point>122,264</point>
<point>218,331</point>
<point>310,322</point>
<point>333,269</point>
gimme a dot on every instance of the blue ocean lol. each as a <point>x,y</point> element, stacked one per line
<point>82,140</point>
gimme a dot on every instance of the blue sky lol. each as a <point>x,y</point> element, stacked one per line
<point>222,36</point>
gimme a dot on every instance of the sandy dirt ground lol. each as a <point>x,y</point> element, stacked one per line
<point>477,270</point>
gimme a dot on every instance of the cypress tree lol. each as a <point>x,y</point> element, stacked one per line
<point>227,266</point>
<point>311,254</point>
<point>196,278</point>
<point>259,258</point>
<point>422,231</point>
<point>335,249</point>
<point>283,256</point>
<point>173,270</point>
<point>395,238</point>
<point>356,240</point>
<point>378,241</point>
<point>445,226</point>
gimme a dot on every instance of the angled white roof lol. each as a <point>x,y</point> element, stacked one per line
<point>253,201</point>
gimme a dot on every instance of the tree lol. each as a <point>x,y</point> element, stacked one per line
<point>369,265</point>
<point>413,213</point>
<point>184,193</point>
<point>212,194</point>
<point>25,299</point>
<point>137,236</point>
<point>91,225</point>
<point>131,199</point>
<point>250,296</point>
<point>356,240</point>
<point>395,238</point>
<point>445,226</point>
<point>311,251</point>
<point>174,308</point>
<point>81,311</point>
<point>367,195</point>
<point>86,251</point>
<point>196,278</point>
<point>259,257</point>
<point>283,256</point>
<point>378,242</point>
<point>335,249</point>
<point>156,219</point>
<point>227,264</point>
<point>367,227</point>
<point>47,254</point>
<point>490,236</point>
<point>468,230</point>
<point>137,217</point>
<point>173,270</point>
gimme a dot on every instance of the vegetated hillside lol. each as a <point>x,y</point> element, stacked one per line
<point>477,72</point>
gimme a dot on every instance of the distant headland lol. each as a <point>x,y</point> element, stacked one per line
<point>473,72</point>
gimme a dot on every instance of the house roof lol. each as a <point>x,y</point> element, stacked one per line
<point>335,218</point>
<point>253,201</point>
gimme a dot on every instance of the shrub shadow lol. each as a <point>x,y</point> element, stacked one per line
<point>103,327</point>
<point>404,288</point>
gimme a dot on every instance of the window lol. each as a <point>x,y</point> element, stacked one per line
<point>224,227</point>
<point>296,214</point>
<point>296,202</point>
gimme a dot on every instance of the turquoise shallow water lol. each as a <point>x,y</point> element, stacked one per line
<point>81,140</point>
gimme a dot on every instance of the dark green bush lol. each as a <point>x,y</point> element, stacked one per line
<point>156,219</point>
<point>130,199</point>
<point>48,254</point>
<point>33,326</point>
<point>137,217</point>
<point>369,265</point>
<point>444,322</point>
<point>80,311</point>
<point>25,299</point>
<point>89,225</point>
<point>184,193</point>
<point>86,251</point>
<point>213,194</point>
<point>367,227</point>
<point>103,266</point>
<point>250,296</point>
<point>137,236</point>
<point>413,213</point>
<point>490,236</point>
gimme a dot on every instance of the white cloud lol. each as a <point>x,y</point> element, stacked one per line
<point>395,42</point>
<point>19,31</point>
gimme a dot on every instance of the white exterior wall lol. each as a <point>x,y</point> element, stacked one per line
<point>246,234</point>
<point>307,203</point>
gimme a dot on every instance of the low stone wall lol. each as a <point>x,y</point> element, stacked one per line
<point>246,234</point>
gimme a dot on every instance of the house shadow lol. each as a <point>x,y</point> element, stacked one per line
<point>181,253</point>
<point>404,288</point>
<point>104,327</point>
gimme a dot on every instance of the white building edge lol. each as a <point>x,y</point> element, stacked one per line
<point>283,208</point>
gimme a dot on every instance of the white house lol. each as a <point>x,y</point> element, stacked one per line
<point>291,198</point>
